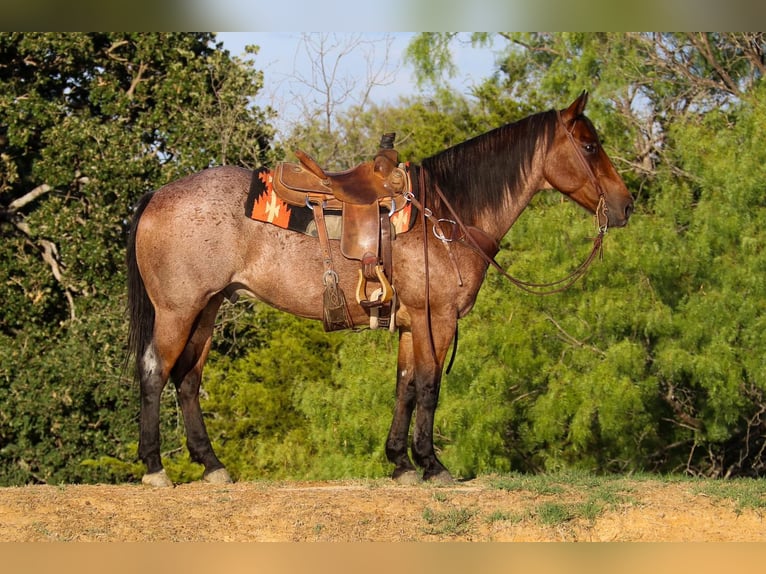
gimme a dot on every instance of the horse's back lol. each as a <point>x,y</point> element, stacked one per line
<point>205,188</point>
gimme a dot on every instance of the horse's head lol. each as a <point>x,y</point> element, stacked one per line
<point>578,167</point>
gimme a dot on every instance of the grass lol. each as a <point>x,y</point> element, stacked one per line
<point>746,493</point>
<point>599,494</point>
<point>450,522</point>
<point>556,499</point>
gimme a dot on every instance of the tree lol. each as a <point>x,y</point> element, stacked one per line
<point>641,82</point>
<point>327,92</point>
<point>88,123</point>
<point>654,361</point>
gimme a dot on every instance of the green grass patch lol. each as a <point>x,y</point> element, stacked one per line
<point>573,495</point>
<point>450,522</point>
<point>593,495</point>
<point>746,493</point>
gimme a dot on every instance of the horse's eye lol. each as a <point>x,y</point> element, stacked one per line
<point>589,147</point>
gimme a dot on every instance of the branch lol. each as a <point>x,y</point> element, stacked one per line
<point>115,46</point>
<point>702,43</point>
<point>686,419</point>
<point>142,67</point>
<point>29,197</point>
<point>48,250</point>
<point>571,340</point>
<point>51,257</point>
<point>541,49</point>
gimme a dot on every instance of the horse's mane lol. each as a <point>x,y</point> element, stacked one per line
<point>474,174</point>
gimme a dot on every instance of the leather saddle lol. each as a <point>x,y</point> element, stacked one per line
<point>367,183</point>
<point>367,195</point>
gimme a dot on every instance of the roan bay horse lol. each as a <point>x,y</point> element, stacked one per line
<point>192,246</point>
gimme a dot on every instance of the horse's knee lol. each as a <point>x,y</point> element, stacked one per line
<point>188,389</point>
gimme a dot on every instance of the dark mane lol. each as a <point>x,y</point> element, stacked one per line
<point>473,175</point>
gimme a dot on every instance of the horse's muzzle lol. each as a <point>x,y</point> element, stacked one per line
<point>620,217</point>
<point>628,211</point>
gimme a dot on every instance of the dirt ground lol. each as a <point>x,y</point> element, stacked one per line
<point>381,511</point>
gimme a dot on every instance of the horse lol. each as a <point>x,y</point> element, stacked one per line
<point>191,245</point>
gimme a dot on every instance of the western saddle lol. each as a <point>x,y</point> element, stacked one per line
<point>367,195</point>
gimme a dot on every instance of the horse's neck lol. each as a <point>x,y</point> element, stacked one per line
<point>495,209</point>
<point>497,222</point>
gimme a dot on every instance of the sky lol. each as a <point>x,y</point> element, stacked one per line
<point>285,59</point>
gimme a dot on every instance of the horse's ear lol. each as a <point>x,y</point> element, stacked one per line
<point>576,108</point>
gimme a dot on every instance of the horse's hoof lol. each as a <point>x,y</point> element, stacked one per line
<point>407,478</point>
<point>219,476</point>
<point>443,477</point>
<point>157,479</point>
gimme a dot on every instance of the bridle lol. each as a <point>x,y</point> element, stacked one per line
<point>598,242</point>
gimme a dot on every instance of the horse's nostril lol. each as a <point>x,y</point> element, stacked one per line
<point>628,210</point>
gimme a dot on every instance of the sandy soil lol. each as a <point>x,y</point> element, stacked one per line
<point>369,511</point>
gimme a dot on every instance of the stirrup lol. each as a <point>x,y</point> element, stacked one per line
<point>387,292</point>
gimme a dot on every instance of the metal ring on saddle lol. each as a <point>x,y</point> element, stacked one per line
<point>439,234</point>
<point>332,275</point>
<point>310,204</point>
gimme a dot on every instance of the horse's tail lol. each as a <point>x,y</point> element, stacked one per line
<point>140,309</point>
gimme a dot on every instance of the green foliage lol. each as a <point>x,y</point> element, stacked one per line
<point>349,420</point>
<point>654,360</point>
<point>254,399</point>
<point>301,403</point>
<point>88,123</point>
<point>64,402</point>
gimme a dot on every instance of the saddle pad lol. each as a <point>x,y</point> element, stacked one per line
<point>263,204</point>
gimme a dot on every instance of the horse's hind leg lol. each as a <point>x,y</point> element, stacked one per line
<point>152,383</point>
<point>187,377</point>
<point>154,366</point>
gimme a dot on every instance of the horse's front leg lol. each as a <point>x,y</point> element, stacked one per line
<point>428,373</point>
<point>397,442</point>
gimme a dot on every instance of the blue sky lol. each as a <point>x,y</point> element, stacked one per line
<point>283,58</point>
